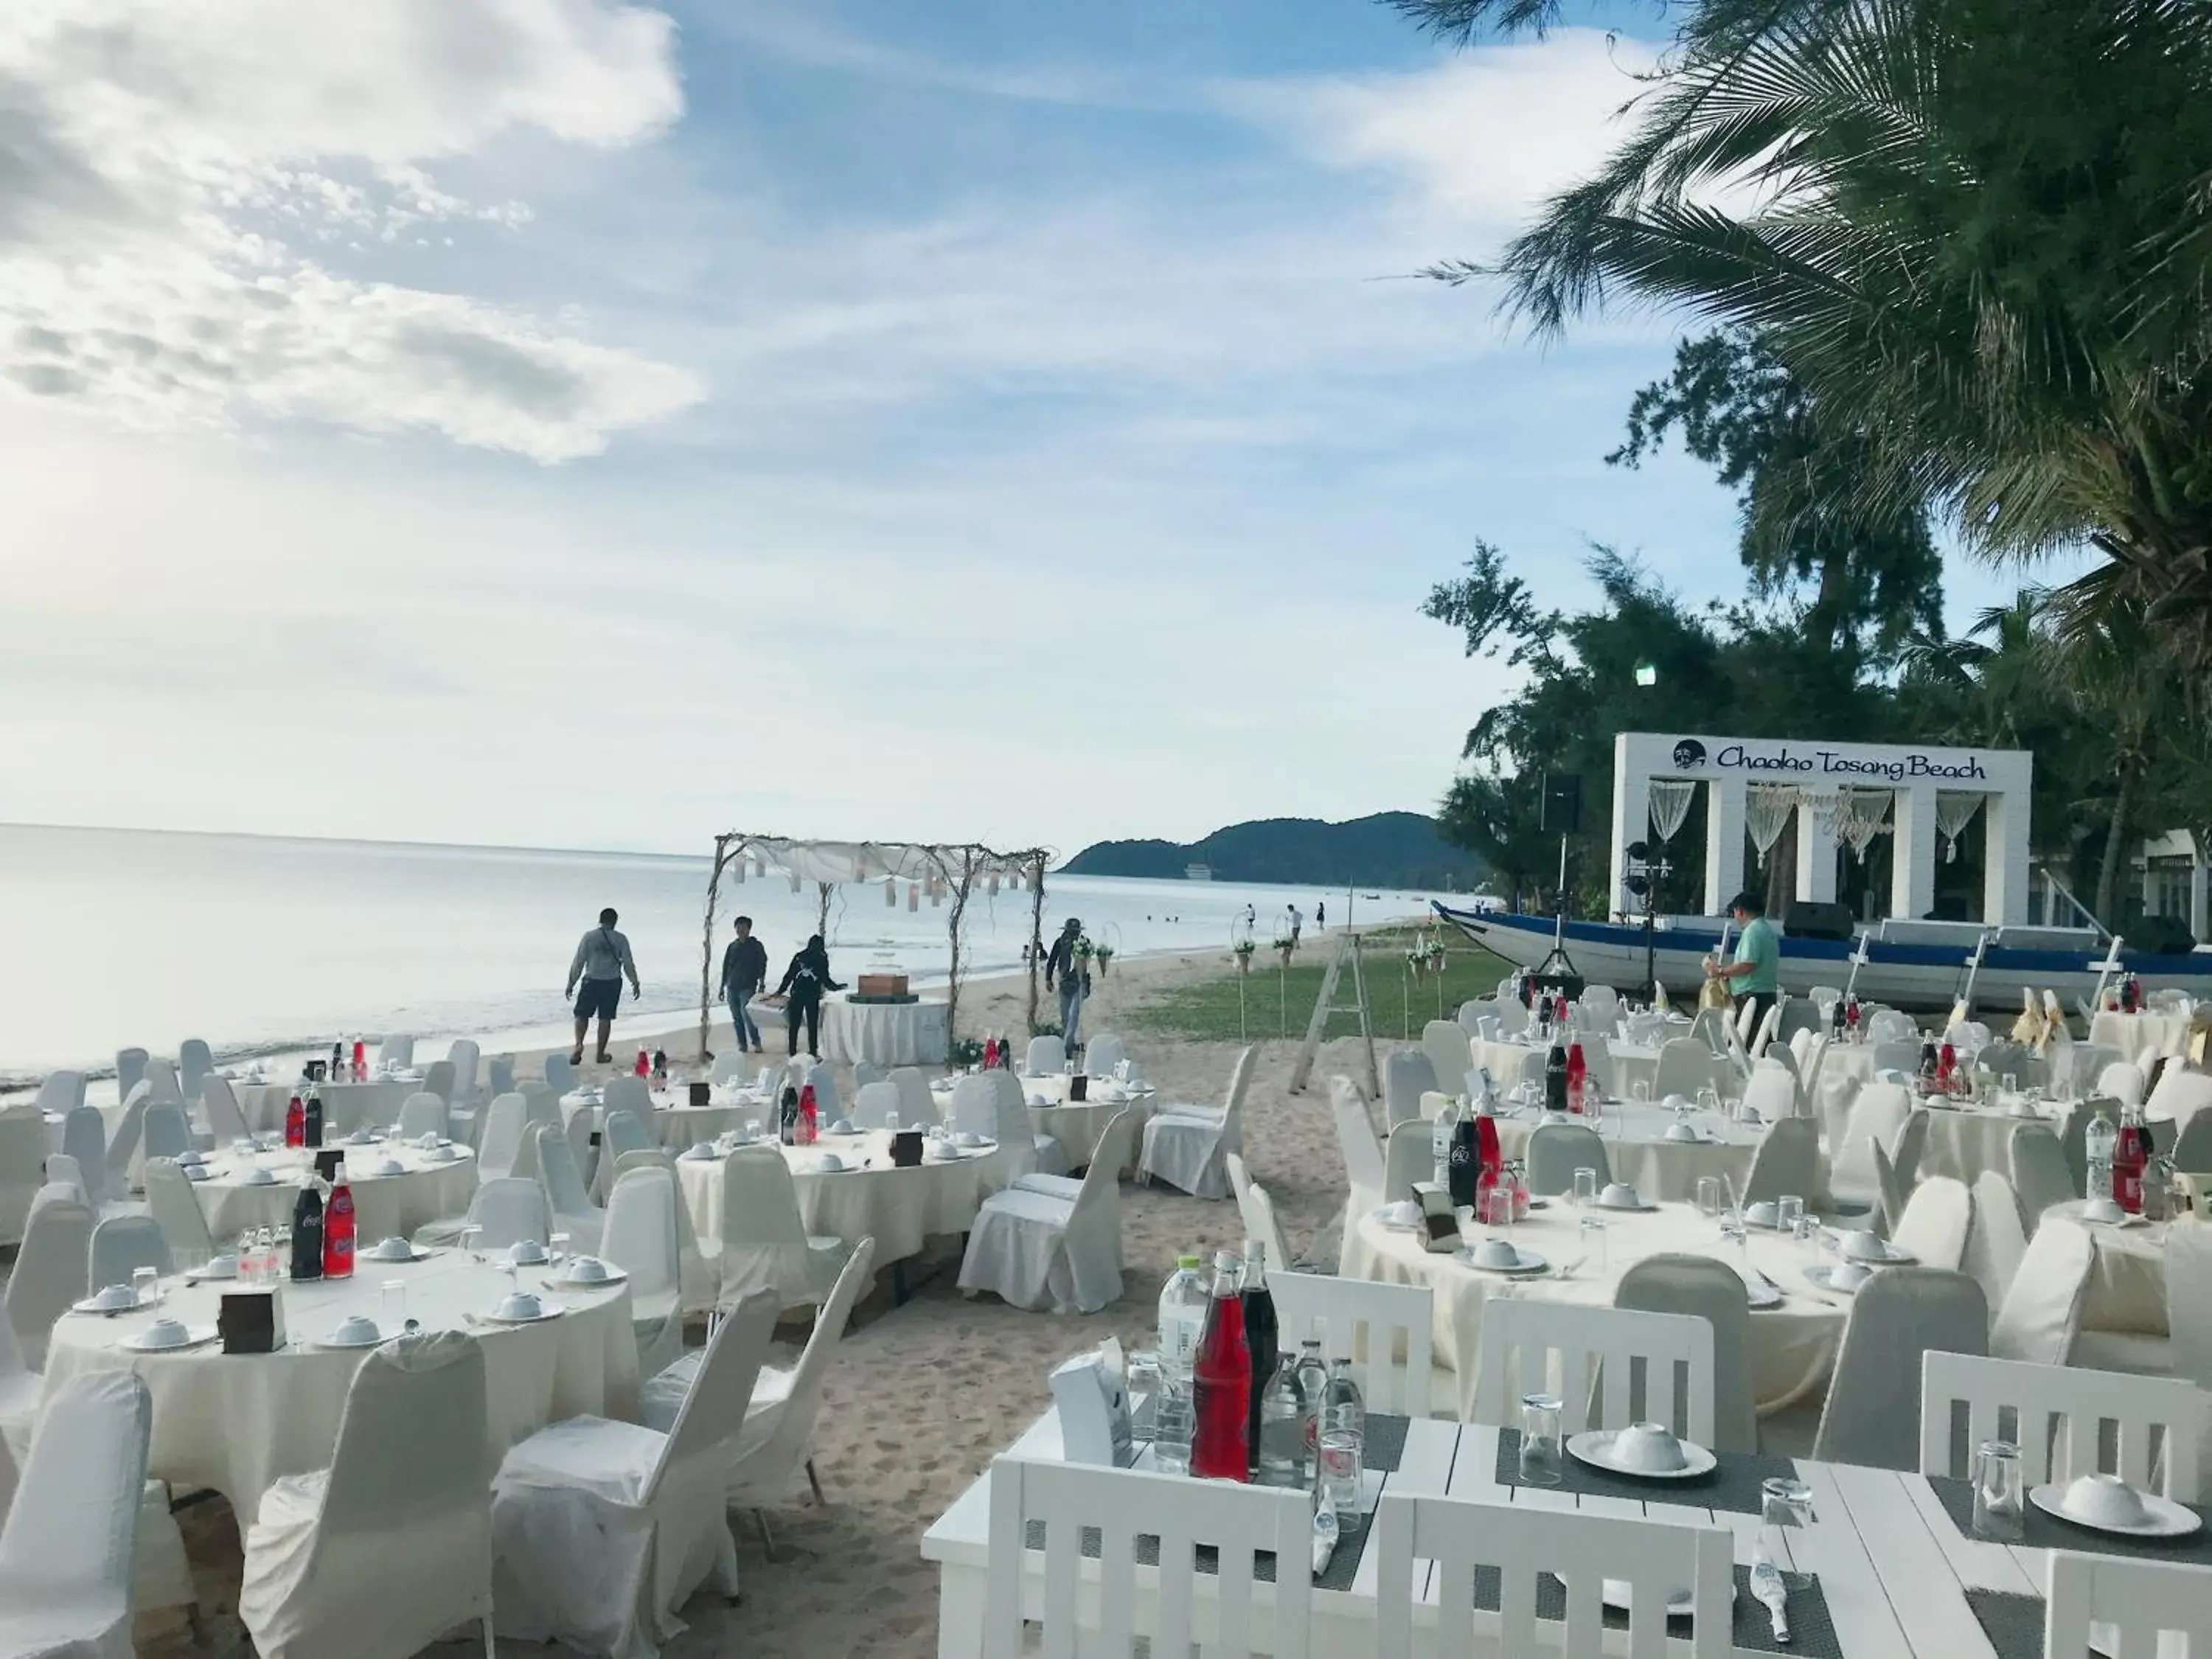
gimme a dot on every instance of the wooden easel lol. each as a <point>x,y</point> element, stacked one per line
<point>1347,945</point>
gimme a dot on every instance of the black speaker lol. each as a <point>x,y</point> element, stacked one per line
<point>1818,919</point>
<point>1563,804</point>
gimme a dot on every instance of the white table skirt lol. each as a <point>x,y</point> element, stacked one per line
<point>898,1208</point>
<point>1793,1347</point>
<point>346,1106</point>
<point>2132,1033</point>
<point>384,1205</point>
<point>680,1127</point>
<point>885,1034</point>
<point>238,1423</point>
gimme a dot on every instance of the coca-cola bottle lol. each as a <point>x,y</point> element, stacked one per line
<point>1261,1330</point>
<point>1929,1062</point>
<point>661,1065</point>
<point>1223,1379</point>
<point>337,1227</point>
<point>990,1053</point>
<point>307,1232</point>
<point>1555,1079</point>
<point>1465,1171</point>
<point>809,1122</point>
<point>360,1060</point>
<point>295,1121</point>
<point>311,1117</point>
<point>2130,1157</point>
<point>1577,1077</point>
<point>1836,1021</point>
<point>338,1062</point>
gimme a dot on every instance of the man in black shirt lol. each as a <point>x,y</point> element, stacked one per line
<point>744,966</point>
<point>1074,976</point>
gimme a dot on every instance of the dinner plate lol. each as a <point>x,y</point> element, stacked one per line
<point>545,1310</point>
<point>377,1340</point>
<point>2167,1519</point>
<point>196,1336</point>
<point>1531,1263</point>
<point>1595,1448</point>
<point>91,1305</point>
<point>1626,1209</point>
<point>1817,1274</point>
<point>615,1276</point>
<point>256,1177</point>
<point>416,1253</point>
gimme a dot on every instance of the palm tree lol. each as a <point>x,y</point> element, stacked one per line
<point>1979,232</point>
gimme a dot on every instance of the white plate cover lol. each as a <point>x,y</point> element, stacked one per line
<point>545,1310</point>
<point>1595,1448</point>
<point>1817,1274</point>
<point>1531,1263</point>
<point>615,1276</point>
<point>2167,1519</point>
<point>329,1340</point>
<point>1626,1209</point>
<point>92,1304</point>
<point>195,1336</point>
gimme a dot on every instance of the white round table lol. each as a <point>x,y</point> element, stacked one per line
<point>1793,1347</point>
<point>346,1106</point>
<point>2132,1033</point>
<point>1963,1142</point>
<point>898,1208</point>
<point>384,1205</point>
<point>1078,1125</point>
<point>675,1123</point>
<point>1637,1150</point>
<point>885,1034</point>
<point>238,1422</point>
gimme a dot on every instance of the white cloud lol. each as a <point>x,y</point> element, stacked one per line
<point>165,164</point>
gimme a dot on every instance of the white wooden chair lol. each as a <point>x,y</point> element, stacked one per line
<point>1524,1544</point>
<point>1257,1211</point>
<point>1600,1353</point>
<point>1105,1611</point>
<point>2137,1601</point>
<point>1353,1317</point>
<point>2058,1413</point>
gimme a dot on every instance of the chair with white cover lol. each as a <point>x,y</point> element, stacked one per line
<point>730,1067</point>
<point>1596,1355</point>
<point>2074,1137</point>
<point>1872,1410</point>
<point>499,1074</point>
<point>438,1079</point>
<point>1512,1017</point>
<point>1655,1560</point>
<point>1889,1208</point>
<point>1876,1115</point>
<point>1407,1074</point>
<point>2123,1081</point>
<point>22,1165</point>
<point>866,1071</point>
<point>424,1113</point>
<point>696,1274</point>
<point>560,1073</point>
<point>2188,1301</point>
<point>1787,1163</point>
<point>396,1052</point>
<point>1038,1251</point>
<point>1684,1066</point>
<point>165,1133</point>
<point>2180,1096</point>
<point>974,1106</point>
<point>394,1536</point>
<point>114,1176</point>
<point>877,1105</point>
<point>84,1138</point>
<point>1903,1056</point>
<point>464,1054</point>
<point>2038,1317</point>
<point>1185,1145</point>
<point>573,1213</point>
<point>219,1107</point>
<point>822,1078</point>
<point>121,1245</point>
<point>161,1082</point>
<point>1800,1015</point>
<point>1408,1155</point>
<point>1355,1317</point>
<point>604,1530</point>
<point>499,1151</point>
<point>130,1070</point>
<point>540,1104</point>
<point>1936,1219</point>
<point>506,1209</point>
<point>641,1238</point>
<point>2107,1604</point>
<point>194,1062</point>
<point>1997,1240</point>
<point>581,1132</point>
<point>49,1272</point>
<point>66,1550</point>
<point>60,1092</point>
<point>1709,1030</point>
<point>1772,1091</point>
<point>620,1134</point>
<point>175,1208</point>
<point>1131,1604</point>
<point>1362,1153</point>
<point>1448,1051</point>
<point>1257,1211</point>
<point>1556,1151</point>
<point>764,1246</point>
<point>2059,1411</point>
<point>1762,1035</point>
<point>1022,1148</point>
<point>1473,1011</point>
<point>2040,1175</point>
<point>2192,1147</point>
<point>1046,1056</point>
<point>1102,1054</point>
<point>63,1179</point>
<point>1702,1287</point>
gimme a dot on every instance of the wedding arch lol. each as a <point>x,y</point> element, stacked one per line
<point>947,873</point>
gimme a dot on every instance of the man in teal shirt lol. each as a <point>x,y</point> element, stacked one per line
<point>1755,975</point>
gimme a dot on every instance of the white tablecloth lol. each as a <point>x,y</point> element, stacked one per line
<point>1793,1347</point>
<point>346,1106</point>
<point>1077,1128</point>
<point>1637,1152</point>
<point>383,1206</point>
<point>885,1034</point>
<point>2132,1033</point>
<point>675,1123</point>
<point>898,1208</point>
<point>237,1422</point>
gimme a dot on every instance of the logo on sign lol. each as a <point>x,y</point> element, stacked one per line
<point>1689,754</point>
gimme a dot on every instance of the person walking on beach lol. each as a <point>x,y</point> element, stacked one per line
<point>1296,922</point>
<point>1321,916</point>
<point>1074,979</point>
<point>744,970</point>
<point>804,982</point>
<point>602,959</point>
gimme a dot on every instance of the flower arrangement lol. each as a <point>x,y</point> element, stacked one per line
<point>1103,955</point>
<point>964,1052</point>
<point>1244,948</point>
<point>1284,945</point>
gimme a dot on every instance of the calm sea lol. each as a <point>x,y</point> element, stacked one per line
<point>263,945</point>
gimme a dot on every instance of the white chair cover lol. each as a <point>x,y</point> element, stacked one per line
<point>164,1133</point>
<point>1702,1287</point>
<point>2188,1301</point>
<point>823,1078</point>
<point>2123,1081</point>
<point>2192,1147</point>
<point>764,1245</point>
<point>1102,1054</point>
<point>866,1071</point>
<point>1877,1114</point>
<point>499,1074</point>
<point>176,1209</point>
<point>124,1243</point>
<point>219,1106</point>
<point>1935,1222</point>
<point>1772,1091</point>
<point>1787,1163</point>
<point>573,1213</point>
<point>1872,1412</point>
<point>1046,1056</point>
<point>775,1442</point>
<point>1593,1354</point>
<point>560,1074</point>
<point>22,1162</point>
<point>1997,1240</point>
<point>2040,1175</point>
<point>61,1092</point>
<point>424,1113</point>
<point>1408,1155</point>
<point>641,1238</point>
<point>581,1133</point>
<point>699,1275</point>
<point>604,1529</point>
<point>509,1208</point>
<point>730,1067</point>
<point>1449,1053</point>
<point>50,1271</point>
<point>438,1079</point>
<point>129,1069</point>
<point>390,1547</point>
<point>395,1051</point>
<point>915,1105</point>
<point>464,1055</point>
<point>2180,1094</point>
<point>498,1146</point>
<point>1556,1151</point>
<point>2038,1317</point>
<point>539,1103</point>
<point>1186,1146</point>
<point>975,1106</point>
<point>1037,1251</point>
<point>194,1062</point>
<point>1025,1154</point>
<point>877,1105</point>
<point>1473,1011</point>
<point>84,1138</point>
<point>1685,1066</point>
<point>66,1550</point>
<point>1408,1074</point>
<point>1257,1211</point>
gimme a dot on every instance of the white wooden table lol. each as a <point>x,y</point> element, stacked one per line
<point>1893,1569</point>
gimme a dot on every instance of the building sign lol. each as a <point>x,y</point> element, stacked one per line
<point>1796,760</point>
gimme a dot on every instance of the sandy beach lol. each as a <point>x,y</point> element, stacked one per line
<point>924,1394</point>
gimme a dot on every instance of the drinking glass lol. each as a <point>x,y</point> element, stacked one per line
<point>1998,1517</point>
<point>1789,1211</point>
<point>469,1234</point>
<point>1640,1091</point>
<point>1594,1255</point>
<point>2009,1083</point>
<point>1540,1462</point>
<point>556,1246</point>
<point>752,1128</point>
<point>1785,1506</point>
<point>1585,1188</point>
<point>1709,1197</point>
<point>1337,1455</point>
<point>146,1286</point>
<point>1709,1100</point>
<point>1140,1379</point>
<point>391,1306</point>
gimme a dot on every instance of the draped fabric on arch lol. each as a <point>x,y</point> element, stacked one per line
<point>1954,811</point>
<point>1766,809</point>
<point>1670,804</point>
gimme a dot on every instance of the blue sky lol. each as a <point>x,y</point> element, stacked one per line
<point>560,421</point>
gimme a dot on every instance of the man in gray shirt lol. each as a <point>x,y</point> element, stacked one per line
<point>601,961</point>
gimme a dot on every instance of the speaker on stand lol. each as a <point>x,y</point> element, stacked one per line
<point>1561,814</point>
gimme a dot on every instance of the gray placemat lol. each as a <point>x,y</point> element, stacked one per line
<point>1811,1630</point>
<point>1733,1484</point>
<point>2013,1623</point>
<point>2046,1532</point>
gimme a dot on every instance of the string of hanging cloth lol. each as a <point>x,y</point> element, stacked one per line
<point>837,862</point>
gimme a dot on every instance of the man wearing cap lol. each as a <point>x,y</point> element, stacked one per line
<point>1074,979</point>
<point>1755,975</point>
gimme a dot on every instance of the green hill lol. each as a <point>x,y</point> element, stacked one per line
<point>1387,849</point>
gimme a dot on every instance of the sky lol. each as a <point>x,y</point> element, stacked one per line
<point>567,422</point>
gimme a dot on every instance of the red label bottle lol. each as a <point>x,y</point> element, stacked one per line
<point>808,1122</point>
<point>2130,1157</point>
<point>360,1060</point>
<point>295,1121</point>
<point>338,1228</point>
<point>1490,1162</point>
<point>990,1053</point>
<point>1946,1061</point>
<point>1578,1076</point>
<point>1223,1374</point>
<point>644,1063</point>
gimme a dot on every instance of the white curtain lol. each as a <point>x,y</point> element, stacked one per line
<point>1766,809</point>
<point>1670,804</point>
<point>1865,815</point>
<point>1954,811</point>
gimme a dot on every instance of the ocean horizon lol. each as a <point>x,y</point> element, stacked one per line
<point>264,945</point>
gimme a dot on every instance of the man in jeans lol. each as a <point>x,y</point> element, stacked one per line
<point>1074,981</point>
<point>744,966</point>
<point>602,959</point>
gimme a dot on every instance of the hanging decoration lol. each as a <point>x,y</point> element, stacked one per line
<point>1670,804</point>
<point>1954,811</point>
<point>891,892</point>
<point>913,896</point>
<point>1766,809</point>
<point>1864,814</point>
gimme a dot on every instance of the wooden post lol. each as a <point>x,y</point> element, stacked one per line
<point>1037,934</point>
<point>706,944</point>
<point>822,889</point>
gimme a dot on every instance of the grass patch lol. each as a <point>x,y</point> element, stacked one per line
<point>1278,1004</point>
